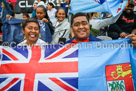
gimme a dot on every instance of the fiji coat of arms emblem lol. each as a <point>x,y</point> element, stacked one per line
<point>119,77</point>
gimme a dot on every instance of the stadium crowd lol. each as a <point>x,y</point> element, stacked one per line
<point>60,27</point>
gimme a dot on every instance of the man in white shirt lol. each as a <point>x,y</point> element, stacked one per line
<point>51,11</point>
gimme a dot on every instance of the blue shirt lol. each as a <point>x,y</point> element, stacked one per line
<point>64,6</point>
<point>34,13</point>
<point>6,11</point>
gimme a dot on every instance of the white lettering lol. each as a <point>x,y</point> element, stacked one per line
<point>22,4</point>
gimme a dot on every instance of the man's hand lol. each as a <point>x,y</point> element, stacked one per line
<point>123,35</point>
<point>133,39</point>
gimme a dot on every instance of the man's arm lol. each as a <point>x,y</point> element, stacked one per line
<point>133,31</point>
<point>97,24</point>
<point>133,39</point>
<point>133,36</point>
<point>60,2</point>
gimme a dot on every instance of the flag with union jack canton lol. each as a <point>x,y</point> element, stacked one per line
<point>39,69</point>
<point>90,66</point>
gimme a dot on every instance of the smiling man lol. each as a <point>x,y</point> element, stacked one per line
<point>81,29</point>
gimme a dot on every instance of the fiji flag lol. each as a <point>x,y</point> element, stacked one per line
<point>93,66</point>
<point>133,64</point>
<point>87,6</point>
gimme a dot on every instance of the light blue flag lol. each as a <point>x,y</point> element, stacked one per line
<point>87,6</point>
<point>105,66</point>
<point>133,64</point>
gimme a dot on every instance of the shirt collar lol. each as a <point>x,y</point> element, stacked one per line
<point>75,41</point>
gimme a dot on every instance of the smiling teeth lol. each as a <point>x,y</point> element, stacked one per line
<point>32,35</point>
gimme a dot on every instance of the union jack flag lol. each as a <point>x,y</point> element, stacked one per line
<point>39,69</point>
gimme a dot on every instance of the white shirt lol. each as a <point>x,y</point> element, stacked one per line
<point>41,3</point>
<point>52,13</point>
<point>38,42</point>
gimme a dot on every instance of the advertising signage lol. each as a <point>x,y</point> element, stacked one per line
<point>26,6</point>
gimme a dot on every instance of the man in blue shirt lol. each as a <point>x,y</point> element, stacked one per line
<point>81,30</point>
<point>65,5</point>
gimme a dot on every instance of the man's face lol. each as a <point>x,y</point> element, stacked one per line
<point>129,9</point>
<point>81,28</point>
<point>34,6</point>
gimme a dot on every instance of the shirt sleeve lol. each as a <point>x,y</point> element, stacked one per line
<point>134,26</point>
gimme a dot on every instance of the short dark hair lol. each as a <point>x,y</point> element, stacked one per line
<point>130,5</point>
<point>28,21</point>
<point>26,14</point>
<point>51,4</point>
<point>77,15</point>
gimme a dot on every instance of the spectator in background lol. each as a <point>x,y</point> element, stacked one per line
<point>41,2</point>
<point>5,10</point>
<point>51,11</point>
<point>65,5</point>
<point>34,9</point>
<point>13,15</point>
<point>41,14</point>
<point>62,27</point>
<point>25,16</point>
<point>124,25</point>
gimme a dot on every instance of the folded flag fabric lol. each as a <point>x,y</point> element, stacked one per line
<point>114,7</point>
<point>92,66</point>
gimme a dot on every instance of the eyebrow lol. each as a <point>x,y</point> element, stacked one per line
<point>80,21</point>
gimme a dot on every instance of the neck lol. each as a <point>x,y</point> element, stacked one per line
<point>50,9</point>
<point>30,43</point>
<point>59,21</point>
<point>79,40</point>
